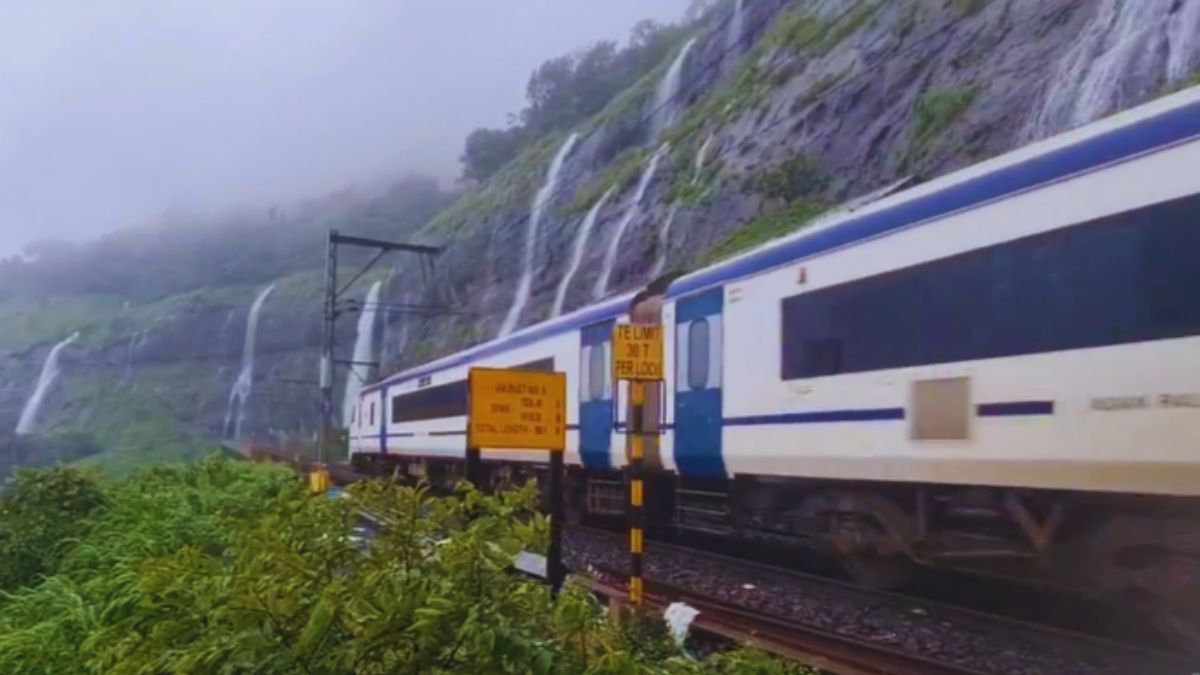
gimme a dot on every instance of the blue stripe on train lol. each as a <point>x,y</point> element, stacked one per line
<point>819,416</point>
<point>1015,408</point>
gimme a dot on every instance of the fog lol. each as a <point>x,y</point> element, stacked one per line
<point>113,112</point>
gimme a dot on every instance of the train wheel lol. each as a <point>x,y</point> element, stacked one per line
<point>1180,626</point>
<point>879,572</point>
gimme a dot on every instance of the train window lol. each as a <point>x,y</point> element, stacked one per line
<point>372,413</point>
<point>698,354</point>
<point>444,400</point>
<point>1119,279</point>
<point>597,376</point>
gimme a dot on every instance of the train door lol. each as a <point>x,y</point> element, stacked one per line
<point>698,365</point>
<point>596,396</point>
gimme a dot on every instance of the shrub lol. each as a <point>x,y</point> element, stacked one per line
<point>42,513</point>
<point>800,177</point>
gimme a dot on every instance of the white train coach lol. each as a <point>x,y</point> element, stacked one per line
<point>997,370</point>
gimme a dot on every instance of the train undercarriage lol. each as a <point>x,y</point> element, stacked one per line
<point>1144,550</point>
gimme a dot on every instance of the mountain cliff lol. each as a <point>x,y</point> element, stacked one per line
<point>760,115</point>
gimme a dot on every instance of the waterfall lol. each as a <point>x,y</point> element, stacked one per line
<point>131,354</point>
<point>614,244</point>
<point>235,411</point>
<point>733,36</point>
<point>540,201</point>
<point>364,351</point>
<point>664,232</point>
<point>581,238</point>
<point>701,155</point>
<point>664,239</point>
<point>666,103</point>
<point>1129,47</point>
<point>27,423</point>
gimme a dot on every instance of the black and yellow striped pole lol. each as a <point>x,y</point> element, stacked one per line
<point>638,359</point>
<point>637,490</point>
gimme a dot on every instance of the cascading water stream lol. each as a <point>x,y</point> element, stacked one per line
<point>664,238</point>
<point>666,98</point>
<point>1129,45</point>
<point>701,155</point>
<point>581,239</point>
<point>27,423</point>
<point>235,411</point>
<point>364,351</point>
<point>664,233</point>
<point>614,244</point>
<point>540,202</point>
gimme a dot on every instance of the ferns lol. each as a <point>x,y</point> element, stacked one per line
<point>223,567</point>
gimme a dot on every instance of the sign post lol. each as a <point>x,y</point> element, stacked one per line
<point>637,358</point>
<point>522,410</point>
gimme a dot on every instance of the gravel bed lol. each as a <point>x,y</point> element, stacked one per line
<point>964,639</point>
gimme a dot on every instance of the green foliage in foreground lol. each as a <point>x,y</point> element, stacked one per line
<point>41,512</point>
<point>223,567</point>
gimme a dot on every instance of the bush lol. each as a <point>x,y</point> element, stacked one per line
<point>800,177</point>
<point>229,567</point>
<point>42,512</point>
<point>938,109</point>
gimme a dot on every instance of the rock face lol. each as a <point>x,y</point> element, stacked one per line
<point>819,101</point>
<point>798,105</point>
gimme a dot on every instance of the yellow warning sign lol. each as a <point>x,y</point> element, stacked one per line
<point>637,352</point>
<point>517,409</point>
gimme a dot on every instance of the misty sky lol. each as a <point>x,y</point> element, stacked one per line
<point>111,112</point>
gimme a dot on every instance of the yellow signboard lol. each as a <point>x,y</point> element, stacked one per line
<point>517,409</point>
<point>637,352</point>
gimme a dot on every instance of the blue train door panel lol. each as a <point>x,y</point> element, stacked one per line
<point>698,364</point>
<point>596,396</point>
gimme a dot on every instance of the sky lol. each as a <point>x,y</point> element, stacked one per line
<point>113,112</point>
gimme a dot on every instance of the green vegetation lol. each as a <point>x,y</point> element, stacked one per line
<point>142,422</point>
<point>226,567</point>
<point>966,8</point>
<point>568,90</point>
<point>40,513</point>
<point>797,178</point>
<point>513,184</point>
<point>622,172</point>
<point>762,230</point>
<point>934,112</point>
<point>28,321</point>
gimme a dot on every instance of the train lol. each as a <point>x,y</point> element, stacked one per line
<point>996,371</point>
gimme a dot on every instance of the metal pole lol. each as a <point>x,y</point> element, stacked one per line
<point>327,346</point>
<point>474,468</point>
<point>554,565</point>
<point>635,439</point>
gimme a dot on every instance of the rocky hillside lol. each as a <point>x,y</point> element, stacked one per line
<point>778,111</point>
<point>765,114</point>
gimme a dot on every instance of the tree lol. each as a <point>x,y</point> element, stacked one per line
<point>489,149</point>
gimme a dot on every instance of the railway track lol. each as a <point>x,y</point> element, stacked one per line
<point>843,628</point>
<point>814,647</point>
<point>838,627</point>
